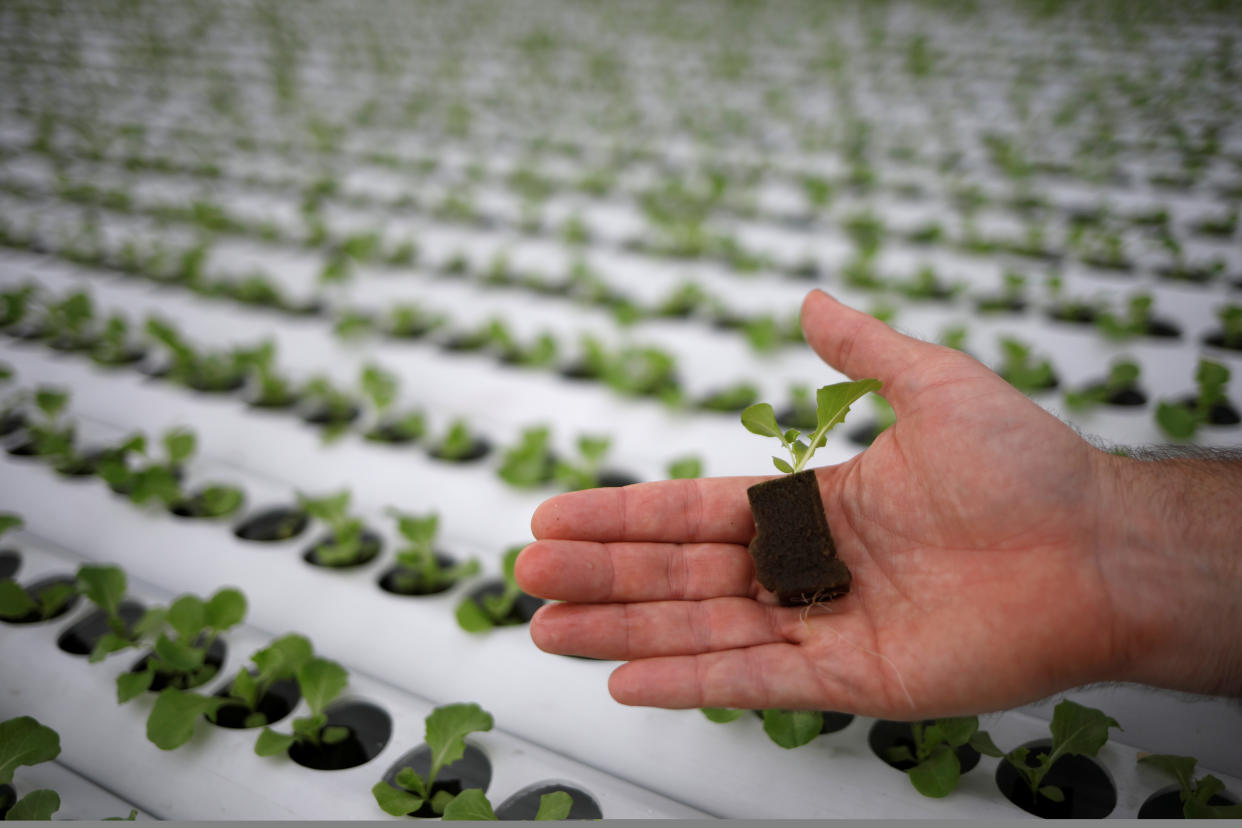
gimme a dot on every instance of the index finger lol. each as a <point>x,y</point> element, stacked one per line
<point>706,510</point>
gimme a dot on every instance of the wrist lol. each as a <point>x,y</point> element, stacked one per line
<point>1171,559</point>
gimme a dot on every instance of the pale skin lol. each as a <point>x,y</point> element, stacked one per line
<point>998,558</point>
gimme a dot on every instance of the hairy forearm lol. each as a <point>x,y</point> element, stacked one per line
<point>1172,560</point>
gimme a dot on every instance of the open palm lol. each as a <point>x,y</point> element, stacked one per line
<point>970,527</point>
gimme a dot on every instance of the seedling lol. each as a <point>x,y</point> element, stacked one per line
<point>24,741</point>
<point>763,333</point>
<point>344,545</point>
<point>1012,298</point>
<point>68,322</point>
<point>1137,320</point>
<point>447,728</point>
<point>51,436</point>
<point>1181,420</point>
<point>643,372</point>
<point>584,474</point>
<point>1196,794</point>
<point>1231,326</point>
<point>458,443</point>
<point>1022,370</point>
<point>320,682</point>
<point>927,285</point>
<point>683,301</point>
<point>104,586</point>
<point>352,325</point>
<point>494,610</point>
<point>472,804</point>
<point>207,371</point>
<point>180,658</point>
<point>594,359</point>
<point>380,389</point>
<point>1123,376</point>
<point>936,767</point>
<point>1076,731</point>
<point>685,468</point>
<point>274,389</point>
<point>419,568</point>
<point>409,321</point>
<point>16,602</point>
<point>733,398</point>
<point>954,336</point>
<point>114,346</point>
<point>530,463</point>
<point>14,305</point>
<point>329,407</point>
<point>156,480</point>
<point>832,404</point>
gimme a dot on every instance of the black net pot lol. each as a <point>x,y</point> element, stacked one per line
<point>369,727</point>
<point>1089,792</point>
<point>10,562</point>
<point>885,734</point>
<point>80,639</point>
<point>278,523</point>
<point>35,589</point>
<point>279,700</point>
<point>524,804</point>
<point>398,580</point>
<point>472,770</point>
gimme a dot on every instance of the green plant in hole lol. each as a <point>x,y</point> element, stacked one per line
<point>472,804</point>
<point>732,398</point>
<point>954,336</point>
<point>458,442</point>
<point>273,389</point>
<point>419,568</point>
<point>211,371</point>
<point>16,602</point>
<point>115,345</point>
<point>1077,730</point>
<point>1134,322</point>
<point>51,436</point>
<point>1231,325</point>
<point>344,544</point>
<point>937,768</point>
<point>1181,420</point>
<point>332,408</point>
<point>644,372</point>
<point>191,627</point>
<point>446,730</point>
<point>352,325</point>
<point>583,474</point>
<point>490,610</point>
<point>530,463</point>
<point>1122,375</point>
<point>787,728</point>
<point>1011,298</point>
<point>156,480</point>
<point>15,304</point>
<point>320,682</point>
<point>685,468</point>
<point>832,403</point>
<point>1021,369</point>
<point>408,321</point>
<point>24,741</point>
<point>763,333</point>
<point>1195,794</point>
<point>104,586</point>
<point>927,284</point>
<point>175,713</point>
<point>684,300</point>
<point>68,322</point>
<point>380,387</point>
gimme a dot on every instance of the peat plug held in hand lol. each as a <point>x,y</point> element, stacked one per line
<point>795,557</point>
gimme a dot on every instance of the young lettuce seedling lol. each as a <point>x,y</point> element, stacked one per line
<point>180,659</point>
<point>1122,377</point>
<point>51,436</point>
<point>472,804</point>
<point>530,463</point>
<point>1196,794</point>
<point>24,741</point>
<point>329,407</point>
<point>493,610</point>
<point>1022,370</point>
<point>585,474</point>
<point>733,398</point>
<point>320,681</point>
<point>68,322</point>
<point>1181,420</point>
<point>447,728</point>
<point>936,767</point>
<point>1077,730</point>
<point>380,389</point>
<point>459,444</point>
<point>685,468</point>
<point>794,553</point>
<point>344,544</point>
<point>16,602</point>
<point>156,480</point>
<point>115,347</point>
<point>274,389</point>
<point>104,586</point>
<point>419,568</point>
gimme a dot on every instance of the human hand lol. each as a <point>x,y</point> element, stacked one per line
<point>971,527</point>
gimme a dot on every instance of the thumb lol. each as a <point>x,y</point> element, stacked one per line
<point>859,345</point>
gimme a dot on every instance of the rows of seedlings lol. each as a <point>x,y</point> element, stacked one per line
<point>317,306</point>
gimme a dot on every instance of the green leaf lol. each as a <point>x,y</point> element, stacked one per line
<point>15,602</point>
<point>721,715</point>
<point>685,468</point>
<point>395,801</point>
<point>957,731</point>
<point>129,685</point>
<point>782,465</point>
<point>1181,768</point>
<point>187,615</point>
<point>179,656</point>
<point>51,401</point>
<point>321,681</point>
<point>225,609</point>
<point>245,688</point>
<point>171,722</point>
<point>1052,792</point>
<point>981,741</point>
<point>9,521</point>
<point>107,644</point>
<point>792,728</point>
<point>221,500</point>
<point>55,596</point>
<point>447,727</point>
<point>409,779</point>
<point>271,743</point>
<point>1078,730</point>
<point>151,622</point>
<point>761,419</point>
<point>283,657</point>
<point>36,805</point>
<point>472,618</point>
<point>832,402</point>
<point>23,741</point>
<point>899,753</point>
<point>179,445</point>
<point>334,734</point>
<point>470,804</point>
<point>133,815</point>
<point>554,805</point>
<point>937,775</point>
<point>1177,420</point>
<point>102,585</point>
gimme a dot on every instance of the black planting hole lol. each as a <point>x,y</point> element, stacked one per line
<point>11,422</point>
<point>212,663</point>
<point>524,607</point>
<point>10,562</point>
<point>1089,793</point>
<point>326,415</point>
<point>402,581</point>
<point>611,478</point>
<point>369,550</point>
<point>35,589</point>
<point>390,433</point>
<point>472,770</point>
<point>1222,413</point>
<point>279,700</point>
<point>370,728</point>
<point>479,449</point>
<point>1216,340</point>
<point>275,524</point>
<point>23,448</point>
<point>525,803</point>
<point>81,638</point>
<point>885,734</point>
<point>1128,397</point>
<point>8,797</point>
<point>1166,803</point>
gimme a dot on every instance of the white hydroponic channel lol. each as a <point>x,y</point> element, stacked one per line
<point>568,170</point>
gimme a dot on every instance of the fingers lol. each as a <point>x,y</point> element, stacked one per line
<point>860,345</point>
<point>661,628</point>
<point>591,572</point>
<point>707,510</point>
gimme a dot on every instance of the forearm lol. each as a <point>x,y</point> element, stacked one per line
<point>1171,558</point>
